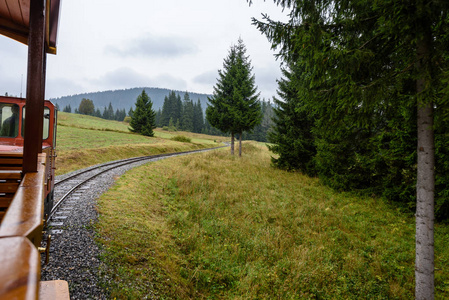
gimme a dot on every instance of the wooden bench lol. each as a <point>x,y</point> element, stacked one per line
<point>11,161</point>
<point>9,182</point>
<point>24,216</point>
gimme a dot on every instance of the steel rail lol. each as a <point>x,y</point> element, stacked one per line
<point>117,164</point>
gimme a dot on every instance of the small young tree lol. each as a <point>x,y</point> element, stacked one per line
<point>144,117</point>
<point>234,106</point>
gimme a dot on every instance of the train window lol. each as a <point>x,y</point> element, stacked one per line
<point>9,116</point>
<point>46,128</point>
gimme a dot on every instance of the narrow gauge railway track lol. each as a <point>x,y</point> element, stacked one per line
<point>74,254</point>
<point>75,181</point>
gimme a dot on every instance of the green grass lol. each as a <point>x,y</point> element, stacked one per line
<point>212,226</point>
<point>181,138</point>
<point>89,122</point>
<point>83,141</point>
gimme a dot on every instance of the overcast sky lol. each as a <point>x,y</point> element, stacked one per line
<point>173,44</point>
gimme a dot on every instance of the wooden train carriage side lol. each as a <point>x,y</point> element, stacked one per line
<point>27,154</point>
<point>24,199</point>
<point>12,120</point>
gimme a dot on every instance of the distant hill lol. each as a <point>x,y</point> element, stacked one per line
<point>125,98</point>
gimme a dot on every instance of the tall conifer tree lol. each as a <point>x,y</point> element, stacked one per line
<point>187,114</point>
<point>360,54</point>
<point>234,106</point>
<point>198,119</point>
<point>292,137</point>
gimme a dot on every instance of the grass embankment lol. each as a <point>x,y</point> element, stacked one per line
<point>84,141</point>
<point>214,226</point>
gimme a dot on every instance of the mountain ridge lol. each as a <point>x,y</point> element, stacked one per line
<point>126,98</point>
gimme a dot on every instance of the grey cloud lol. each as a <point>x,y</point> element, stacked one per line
<point>57,87</point>
<point>154,46</point>
<point>169,82</point>
<point>128,78</point>
<point>123,78</point>
<point>207,78</point>
<point>265,80</point>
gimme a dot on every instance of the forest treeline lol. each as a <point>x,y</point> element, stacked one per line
<point>347,112</point>
<point>176,114</point>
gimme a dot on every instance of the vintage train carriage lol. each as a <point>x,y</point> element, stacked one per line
<point>12,120</point>
<point>27,154</point>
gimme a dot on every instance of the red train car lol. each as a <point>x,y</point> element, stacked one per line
<point>12,120</point>
<point>27,160</point>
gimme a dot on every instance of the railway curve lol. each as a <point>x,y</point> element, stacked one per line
<point>74,255</point>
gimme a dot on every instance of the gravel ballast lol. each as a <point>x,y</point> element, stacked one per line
<point>74,255</point>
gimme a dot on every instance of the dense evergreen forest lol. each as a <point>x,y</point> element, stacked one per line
<point>123,99</point>
<point>176,113</point>
<point>364,105</point>
<point>351,123</point>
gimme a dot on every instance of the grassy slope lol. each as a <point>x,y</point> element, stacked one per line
<point>214,226</point>
<point>84,140</point>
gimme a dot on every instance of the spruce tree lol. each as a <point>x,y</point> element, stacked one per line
<point>171,109</point>
<point>187,114</point>
<point>360,55</point>
<point>144,117</point>
<point>234,106</point>
<point>67,109</point>
<point>165,113</point>
<point>158,118</point>
<point>292,137</point>
<point>110,114</point>
<point>198,119</point>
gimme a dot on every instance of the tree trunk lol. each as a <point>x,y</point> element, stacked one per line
<point>232,143</point>
<point>240,145</point>
<point>425,183</point>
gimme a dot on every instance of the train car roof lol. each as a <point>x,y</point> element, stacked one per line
<point>14,21</point>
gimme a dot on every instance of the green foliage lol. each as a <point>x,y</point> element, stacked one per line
<point>187,114</point>
<point>292,134</point>
<point>108,112</point>
<point>442,167</point>
<point>356,72</point>
<point>260,132</point>
<point>198,118</point>
<point>143,120</point>
<point>171,125</point>
<point>172,109</point>
<point>181,138</point>
<point>67,109</point>
<point>234,106</point>
<point>86,107</point>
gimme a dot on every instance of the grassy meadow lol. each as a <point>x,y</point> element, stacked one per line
<point>214,226</point>
<point>83,141</point>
